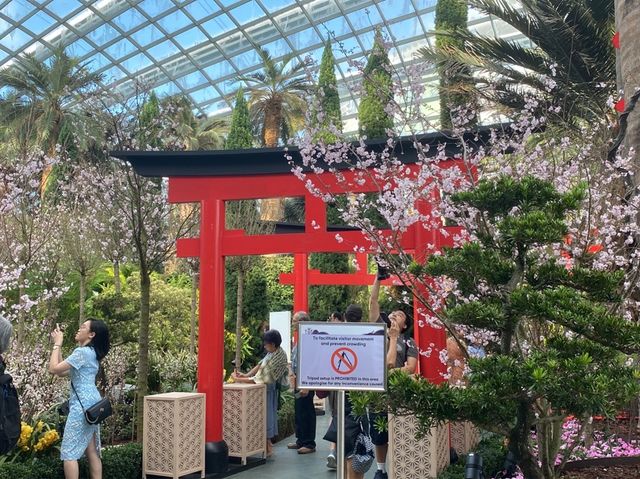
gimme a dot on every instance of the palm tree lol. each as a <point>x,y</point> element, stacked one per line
<point>277,96</point>
<point>196,132</point>
<point>570,37</point>
<point>41,97</point>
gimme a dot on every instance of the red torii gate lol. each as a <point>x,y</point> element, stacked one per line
<point>211,179</point>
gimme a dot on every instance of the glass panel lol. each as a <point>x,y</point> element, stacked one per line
<point>203,95</point>
<point>245,60</point>
<point>103,34</point>
<point>278,48</point>
<point>191,37</point>
<point>229,86</point>
<point>422,4</point>
<point>367,39</point>
<point>247,12</point>
<point>79,48</point>
<point>304,39</point>
<point>98,61</point>
<point>129,19</point>
<point>228,3</point>
<point>62,8</point>
<point>147,35</point>
<point>153,8</point>
<point>191,80</point>
<point>201,9</point>
<point>16,9</point>
<point>174,21</point>
<point>218,25</point>
<point>39,22</point>
<point>163,50</point>
<point>136,63</point>
<point>429,22</point>
<point>218,108</point>
<point>407,29</point>
<point>113,74</point>
<point>338,26</point>
<point>219,70</point>
<point>396,8</point>
<point>15,40</point>
<point>120,49</point>
<point>274,5</point>
<point>167,89</point>
<point>365,18</point>
<point>483,29</point>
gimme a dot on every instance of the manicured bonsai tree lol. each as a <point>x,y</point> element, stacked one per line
<point>556,343</point>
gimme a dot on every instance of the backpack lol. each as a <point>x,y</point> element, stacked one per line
<point>10,425</point>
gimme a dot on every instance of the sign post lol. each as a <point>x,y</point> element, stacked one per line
<point>342,357</point>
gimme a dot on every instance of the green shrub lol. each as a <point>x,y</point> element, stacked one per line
<point>286,416</point>
<point>119,462</point>
<point>493,453</point>
<point>122,462</point>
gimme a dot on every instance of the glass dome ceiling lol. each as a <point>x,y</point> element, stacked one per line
<point>198,47</point>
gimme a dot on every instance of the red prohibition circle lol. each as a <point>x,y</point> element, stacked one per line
<point>344,361</point>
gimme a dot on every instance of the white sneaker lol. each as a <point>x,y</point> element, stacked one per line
<point>332,463</point>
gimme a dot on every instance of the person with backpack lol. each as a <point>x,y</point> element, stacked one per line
<point>10,424</point>
<point>81,366</point>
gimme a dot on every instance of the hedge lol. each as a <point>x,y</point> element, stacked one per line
<point>118,462</point>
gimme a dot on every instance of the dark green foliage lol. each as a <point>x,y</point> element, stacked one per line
<point>493,453</point>
<point>376,92</point>
<point>455,78</point>
<point>286,416</point>
<point>323,300</point>
<point>149,123</point>
<point>255,305</point>
<point>572,38</point>
<point>329,98</point>
<point>240,136</point>
<point>120,462</point>
<point>559,343</point>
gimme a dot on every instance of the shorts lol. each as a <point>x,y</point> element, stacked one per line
<point>379,438</point>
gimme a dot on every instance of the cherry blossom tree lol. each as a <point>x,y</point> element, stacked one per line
<point>574,232</point>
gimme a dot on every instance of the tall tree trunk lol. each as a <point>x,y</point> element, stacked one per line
<point>194,311</point>
<point>272,124</point>
<point>143,348</point>
<point>239,301</point>
<point>82,298</point>
<point>116,277</point>
<point>272,209</point>
<point>628,24</point>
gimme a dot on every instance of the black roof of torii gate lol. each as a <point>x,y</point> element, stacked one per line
<point>270,161</point>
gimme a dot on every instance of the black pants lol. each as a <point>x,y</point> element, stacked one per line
<point>306,421</point>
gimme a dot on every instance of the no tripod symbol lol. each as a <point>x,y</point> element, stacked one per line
<point>344,361</point>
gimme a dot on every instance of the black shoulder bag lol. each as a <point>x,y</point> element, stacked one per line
<point>96,413</point>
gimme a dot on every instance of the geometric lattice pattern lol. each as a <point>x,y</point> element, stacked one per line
<point>464,437</point>
<point>244,422</point>
<point>198,47</point>
<point>173,438</point>
<point>412,458</point>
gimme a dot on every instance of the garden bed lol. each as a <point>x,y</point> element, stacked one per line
<point>604,468</point>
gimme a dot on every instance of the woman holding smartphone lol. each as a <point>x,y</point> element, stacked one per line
<point>81,366</point>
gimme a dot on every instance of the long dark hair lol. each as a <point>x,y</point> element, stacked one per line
<point>100,341</point>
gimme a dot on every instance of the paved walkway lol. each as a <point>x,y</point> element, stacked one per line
<point>288,464</point>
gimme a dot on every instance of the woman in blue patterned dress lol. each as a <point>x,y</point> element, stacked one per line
<point>81,366</point>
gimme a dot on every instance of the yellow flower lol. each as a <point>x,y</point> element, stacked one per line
<point>39,426</point>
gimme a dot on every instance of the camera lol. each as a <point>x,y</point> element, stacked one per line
<point>383,273</point>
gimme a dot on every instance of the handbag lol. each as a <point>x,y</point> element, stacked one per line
<point>96,413</point>
<point>363,453</point>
